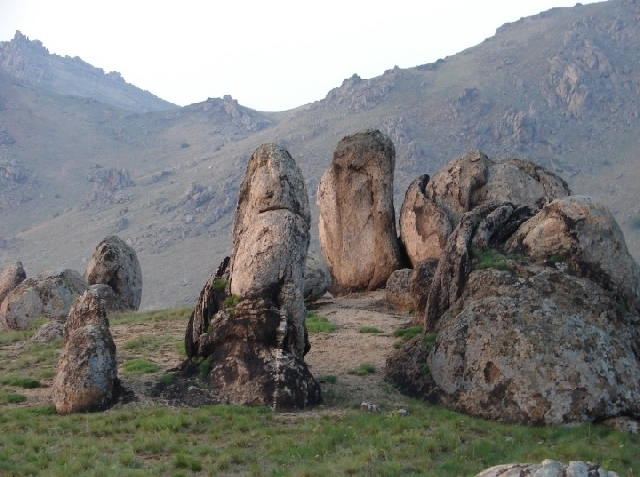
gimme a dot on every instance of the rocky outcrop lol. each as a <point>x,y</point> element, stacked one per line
<point>433,208</point>
<point>86,375</point>
<point>116,264</point>
<point>357,219</point>
<point>109,185</point>
<point>548,468</point>
<point>48,295</point>
<point>10,278</point>
<point>420,282</point>
<point>255,340</point>
<point>531,315</point>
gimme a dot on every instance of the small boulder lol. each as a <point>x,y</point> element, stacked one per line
<point>357,220</point>
<point>49,294</point>
<point>397,290</point>
<point>10,278</point>
<point>548,468</point>
<point>419,285</point>
<point>317,278</point>
<point>86,374</point>
<point>116,264</point>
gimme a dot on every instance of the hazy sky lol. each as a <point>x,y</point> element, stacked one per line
<point>270,55</point>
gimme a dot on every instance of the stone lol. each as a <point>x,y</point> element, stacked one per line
<point>50,331</point>
<point>397,290</point>
<point>108,297</point>
<point>251,328</point>
<point>419,285</point>
<point>533,345</point>
<point>581,233</point>
<point>433,207</point>
<point>86,374</point>
<point>548,468</point>
<point>356,215</point>
<point>116,264</point>
<point>49,294</point>
<point>10,278</point>
<point>317,278</point>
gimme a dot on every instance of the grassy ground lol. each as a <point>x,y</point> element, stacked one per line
<point>335,439</point>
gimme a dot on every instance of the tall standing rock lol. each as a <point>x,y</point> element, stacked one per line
<point>86,375</point>
<point>357,219</point>
<point>116,264</point>
<point>256,347</point>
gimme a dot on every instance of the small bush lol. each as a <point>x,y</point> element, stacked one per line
<point>369,329</point>
<point>319,324</point>
<point>167,379</point>
<point>203,369</point>
<point>363,370</point>
<point>407,333</point>
<point>12,398</point>
<point>219,284</point>
<point>557,258</point>
<point>489,259</point>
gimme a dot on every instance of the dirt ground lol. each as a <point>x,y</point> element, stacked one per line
<point>332,354</point>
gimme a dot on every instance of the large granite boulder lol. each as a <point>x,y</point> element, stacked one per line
<point>357,219</point>
<point>49,294</point>
<point>252,328</point>
<point>433,207</point>
<point>116,264</point>
<point>86,375</point>
<point>10,278</point>
<point>397,290</point>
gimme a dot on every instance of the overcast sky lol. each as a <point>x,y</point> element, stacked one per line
<point>270,55</point>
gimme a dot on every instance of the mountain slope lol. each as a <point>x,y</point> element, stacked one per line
<point>559,88</point>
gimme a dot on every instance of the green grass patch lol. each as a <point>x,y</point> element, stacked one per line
<point>319,324</point>
<point>219,284</point>
<point>231,440</point>
<point>369,329</point>
<point>156,316</point>
<point>363,370</point>
<point>484,259</point>
<point>557,258</point>
<point>407,333</point>
<point>20,382</point>
<point>139,366</point>
<point>11,398</point>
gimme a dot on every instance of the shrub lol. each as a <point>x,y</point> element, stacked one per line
<point>369,329</point>
<point>20,382</point>
<point>139,366</point>
<point>319,324</point>
<point>363,370</point>
<point>328,378</point>
<point>489,259</point>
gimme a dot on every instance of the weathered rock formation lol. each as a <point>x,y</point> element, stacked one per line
<point>10,278</point>
<point>116,264</point>
<point>419,281</point>
<point>531,312</point>
<point>433,208</point>
<point>255,342</point>
<point>357,220</point>
<point>548,468</point>
<point>86,375</point>
<point>49,294</point>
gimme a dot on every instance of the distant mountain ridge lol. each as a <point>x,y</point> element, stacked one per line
<point>30,61</point>
<point>561,88</point>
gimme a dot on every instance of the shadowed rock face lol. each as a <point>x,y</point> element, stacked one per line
<point>116,264</point>
<point>255,348</point>
<point>357,220</point>
<point>86,375</point>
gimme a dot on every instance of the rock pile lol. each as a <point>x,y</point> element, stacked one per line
<point>548,468</point>
<point>255,340</point>
<point>533,304</point>
<point>86,375</point>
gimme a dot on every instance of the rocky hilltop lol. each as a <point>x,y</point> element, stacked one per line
<point>30,61</point>
<point>559,88</point>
